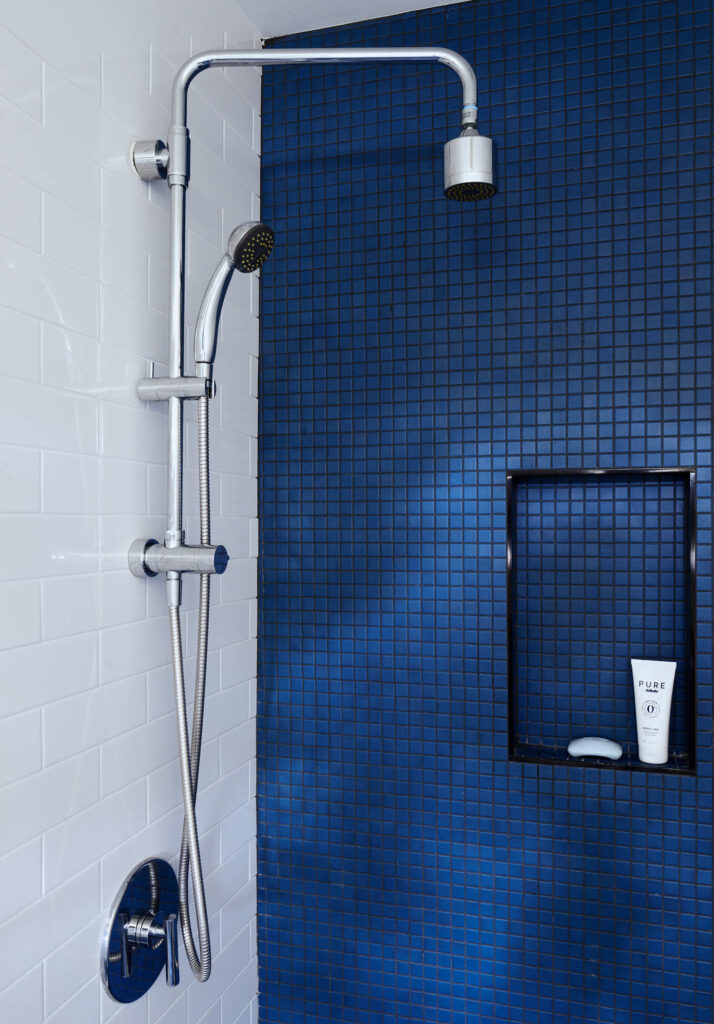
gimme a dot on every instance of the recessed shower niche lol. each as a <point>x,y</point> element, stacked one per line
<point>600,570</point>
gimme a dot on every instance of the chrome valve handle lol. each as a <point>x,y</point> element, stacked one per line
<point>171,939</point>
<point>142,930</point>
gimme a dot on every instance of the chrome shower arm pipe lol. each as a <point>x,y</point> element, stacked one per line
<point>178,174</point>
<point>329,55</point>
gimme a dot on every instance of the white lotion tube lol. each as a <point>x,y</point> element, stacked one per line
<point>654,684</point>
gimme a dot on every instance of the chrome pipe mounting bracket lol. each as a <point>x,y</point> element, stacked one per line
<point>160,389</point>
<point>149,558</point>
<point>150,158</point>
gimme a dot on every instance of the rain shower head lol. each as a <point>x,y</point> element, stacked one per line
<point>248,248</point>
<point>469,167</point>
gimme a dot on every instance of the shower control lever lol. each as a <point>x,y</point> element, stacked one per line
<point>141,930</point>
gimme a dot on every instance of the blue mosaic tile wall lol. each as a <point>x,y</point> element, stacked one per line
<point>412,351</point>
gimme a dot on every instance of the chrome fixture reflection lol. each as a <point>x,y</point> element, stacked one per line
<point>468,175</point>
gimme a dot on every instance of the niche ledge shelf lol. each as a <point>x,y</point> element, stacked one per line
<point>600,569</point>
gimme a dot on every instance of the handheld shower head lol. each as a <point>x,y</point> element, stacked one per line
<point>469,167</point>
<point>248,248</point>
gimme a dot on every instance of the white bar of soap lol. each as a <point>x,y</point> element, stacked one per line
<point>595,746</point>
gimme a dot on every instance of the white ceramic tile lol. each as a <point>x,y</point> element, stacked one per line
<point>164,789</point>
<point>133,433</point>
<point>157,489</point>
<point>72,966</point>
<point>176,1012</point>
<point>212,1015</point>
<point>238,662</point>
<point>241,581</point>
<point>19,345</point>
<point>136,754</point>
<point>57,38</point>
<point>127,101</point>
<point>238,411</point>
<point>42,800</point>
<point>239,150</point>
<point>161,838</point>
<point>124,267</point>
<point>49,546</point>
<point>69,483</point>
<point>122,486</point>
<point>160,688</point>
<point>39,417</point>
<point>92,718</point>
<point>126,211</point>
<point>133,648</point>
<point>84,1005</point>
<point>83,839</point>
<point>20,746</point>
<point>22,1002</point>
<point>132,325</point>
<point>45,925</point>
<point>70,237</point>
<point>21,218</point>
<point>46,160</point>
<point>239,911</point>
<point>20,604</point>
<point>21,80</point>
<point>238,744</point>
<point>32,284</point>
<point>70,605</point>
<point>238,828</point>
<point>127,1013</point>
<point>220,799</point>
<point>45,672</point>
<point>201,997</point>
<point>238,495</point>
<point>225,710</point>
<point>204,216</point>
<point>239,992</point>
<point>78,120</point>
<point>22,879</point>
<point>122,597</point>
<point>21,479</point>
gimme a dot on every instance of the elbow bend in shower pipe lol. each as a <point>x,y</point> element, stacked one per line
<point>178,175</point>
<point>178,160</point>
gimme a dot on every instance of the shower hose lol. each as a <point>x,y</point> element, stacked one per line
<point>190,756</point>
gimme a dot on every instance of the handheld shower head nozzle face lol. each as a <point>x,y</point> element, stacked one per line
<point>468,167</point>
<point>249,246</point>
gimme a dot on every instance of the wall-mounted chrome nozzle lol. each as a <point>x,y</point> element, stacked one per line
<point>249,246</point>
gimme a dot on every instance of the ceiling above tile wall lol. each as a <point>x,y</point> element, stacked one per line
<point>283,17</point>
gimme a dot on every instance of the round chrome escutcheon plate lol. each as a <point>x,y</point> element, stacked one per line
<point>150,888</point>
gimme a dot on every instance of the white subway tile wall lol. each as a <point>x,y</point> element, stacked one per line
<point>89,780</point>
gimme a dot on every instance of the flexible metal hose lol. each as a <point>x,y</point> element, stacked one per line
<point>190,757</point>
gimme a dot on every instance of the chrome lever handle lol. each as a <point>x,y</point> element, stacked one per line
<point>124,946</point>
<point>171,943</point>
